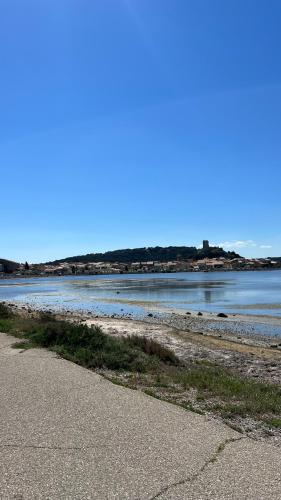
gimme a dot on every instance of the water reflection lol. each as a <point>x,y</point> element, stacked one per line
<point>215,292</point>
<point>208,296</point>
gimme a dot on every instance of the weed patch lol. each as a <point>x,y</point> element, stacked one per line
<point>275,422</point>
<point>5,311</point>
<point>152,348</point>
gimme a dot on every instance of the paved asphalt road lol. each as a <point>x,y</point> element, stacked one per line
<point>67,433</point>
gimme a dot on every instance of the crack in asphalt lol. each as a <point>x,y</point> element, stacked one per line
<point>38,447</point>
<point>211,460</point>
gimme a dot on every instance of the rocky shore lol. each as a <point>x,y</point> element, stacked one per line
<point>221,340</point>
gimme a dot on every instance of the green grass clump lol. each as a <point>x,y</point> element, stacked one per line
<point>274,422</point>
<point>6,325</point>
<point>245,395</point>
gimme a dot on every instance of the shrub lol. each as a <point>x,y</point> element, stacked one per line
<point>153,348</point>
<point>5,312</point>
<point>89,347</point>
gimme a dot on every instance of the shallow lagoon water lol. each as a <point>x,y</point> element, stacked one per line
<point>254,292</point>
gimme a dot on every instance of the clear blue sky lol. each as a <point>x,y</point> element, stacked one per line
<point>131,123</point>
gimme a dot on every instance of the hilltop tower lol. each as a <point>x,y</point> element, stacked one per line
<point>206,245</point>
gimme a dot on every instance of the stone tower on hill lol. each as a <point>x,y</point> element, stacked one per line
<point>206,245</point>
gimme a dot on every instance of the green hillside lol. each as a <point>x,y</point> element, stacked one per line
<point>162,254</point>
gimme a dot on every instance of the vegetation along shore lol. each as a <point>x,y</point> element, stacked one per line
<point>226,377</point>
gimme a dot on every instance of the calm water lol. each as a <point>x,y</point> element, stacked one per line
<point>241,292</point>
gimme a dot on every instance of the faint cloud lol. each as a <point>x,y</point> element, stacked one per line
<point>237,244</point>
<point>240,244</point>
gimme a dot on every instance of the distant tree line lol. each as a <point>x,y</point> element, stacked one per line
<point>162,254</point>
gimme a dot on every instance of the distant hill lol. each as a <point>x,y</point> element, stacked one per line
<point>8,266</point>
<point>162,254</point>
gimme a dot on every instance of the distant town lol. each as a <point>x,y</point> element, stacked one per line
<point>186,259</point>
